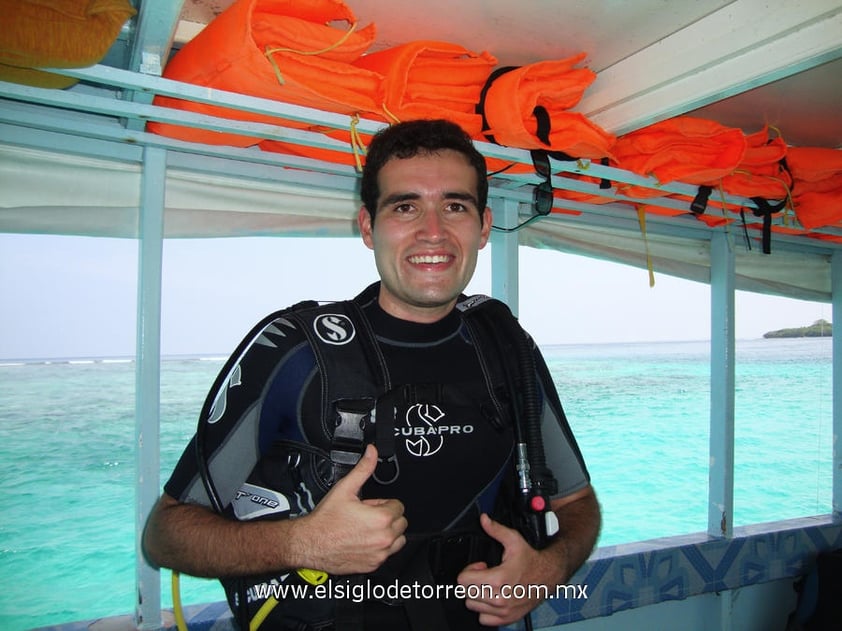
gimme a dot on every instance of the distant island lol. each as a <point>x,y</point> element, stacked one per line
<point>819,328</point>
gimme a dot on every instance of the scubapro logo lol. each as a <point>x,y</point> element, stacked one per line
<point>424,432</point>
<point>334,328</point>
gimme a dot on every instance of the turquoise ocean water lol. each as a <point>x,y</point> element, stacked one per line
<point>640,413</point>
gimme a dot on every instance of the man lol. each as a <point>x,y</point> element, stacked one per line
<point>274,422</point>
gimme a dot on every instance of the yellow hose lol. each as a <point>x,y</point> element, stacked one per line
<point>313,577</point>
<point>263,613</point>
<point>180,623</point>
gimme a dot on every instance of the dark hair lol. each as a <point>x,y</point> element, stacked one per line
<point>411,138</point>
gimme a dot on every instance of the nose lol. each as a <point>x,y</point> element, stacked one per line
<point>431,227</point>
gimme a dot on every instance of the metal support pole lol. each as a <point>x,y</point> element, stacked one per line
<point>836,293</point>
<point>722,362</point>
<point>504,253</point>
<point>148,377</point>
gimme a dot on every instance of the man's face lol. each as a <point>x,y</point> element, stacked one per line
<point>427,233</point>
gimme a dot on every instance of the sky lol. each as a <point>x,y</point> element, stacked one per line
<point>74,297</point>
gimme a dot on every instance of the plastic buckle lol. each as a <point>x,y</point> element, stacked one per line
<point>348,441</point>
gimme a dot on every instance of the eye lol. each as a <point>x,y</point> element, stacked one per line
<point>403,208</point>
<point>456,207</point>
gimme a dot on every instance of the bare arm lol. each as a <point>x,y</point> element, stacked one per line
<point>579,522</point>
<point>342,535</point>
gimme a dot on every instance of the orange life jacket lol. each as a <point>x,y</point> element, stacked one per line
<point>56,34</point>
<point>813,164</point>
<point>683,149</point>
<point>431,79</point>
<point>275,49</point>
<point>352,154</point>
<point>817,185</point>
<point>528,108</point>
<point>761,172</point>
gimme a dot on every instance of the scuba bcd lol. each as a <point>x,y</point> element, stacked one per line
<point>359,404</point>
<point>491,320</point>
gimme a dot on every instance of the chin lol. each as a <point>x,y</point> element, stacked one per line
<point>436,298</point>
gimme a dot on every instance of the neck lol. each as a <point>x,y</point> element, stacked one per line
<point>412,313</point>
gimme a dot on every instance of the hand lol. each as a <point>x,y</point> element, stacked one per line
<point>522,567</point>
<point>347,535</point>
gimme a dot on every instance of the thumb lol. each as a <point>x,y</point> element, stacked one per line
<point>361,472</point>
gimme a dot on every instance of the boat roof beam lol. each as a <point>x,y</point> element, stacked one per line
<point>714,58</point>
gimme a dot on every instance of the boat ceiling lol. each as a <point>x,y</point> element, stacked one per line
<point>802,98</point>
<point>745,64</point>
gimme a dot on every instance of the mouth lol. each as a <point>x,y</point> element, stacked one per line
<point>430,259</point>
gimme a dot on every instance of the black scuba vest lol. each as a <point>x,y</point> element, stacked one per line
<point>359,405</point>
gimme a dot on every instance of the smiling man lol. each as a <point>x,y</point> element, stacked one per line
<point>430,227</point>
<point>375,444</point>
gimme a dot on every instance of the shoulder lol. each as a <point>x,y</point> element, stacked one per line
<point>266,345</point>
<point>493,316</point>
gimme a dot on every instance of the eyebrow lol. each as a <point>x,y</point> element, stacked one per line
<point>450,195</point>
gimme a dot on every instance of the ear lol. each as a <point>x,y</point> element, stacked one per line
<point>364,223</point>
<point>486,227</point>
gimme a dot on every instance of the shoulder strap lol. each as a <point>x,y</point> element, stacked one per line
<point>341,336</point>
<point>492,369</point>
<point>504,347</point>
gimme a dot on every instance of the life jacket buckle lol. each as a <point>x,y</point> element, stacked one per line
<point>348,444</point>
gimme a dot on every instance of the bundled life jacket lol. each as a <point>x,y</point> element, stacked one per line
<point>431,79</point>
<point>359,406</point>
<point>529,107</point>
<point>817,185</point>
<point>274,49</point>
<point>681,149</point>
<point>67,34</point>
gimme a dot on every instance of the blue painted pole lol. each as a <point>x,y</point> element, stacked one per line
<point>836,293</point>
<point>722,362</point>
<point>148,377</point>
<point>504,253</point>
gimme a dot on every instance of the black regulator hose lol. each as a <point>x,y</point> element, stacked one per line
<point>529,419</point>
<point>531,403</point>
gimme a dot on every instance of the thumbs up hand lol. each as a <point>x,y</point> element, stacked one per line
<point>347,535</point>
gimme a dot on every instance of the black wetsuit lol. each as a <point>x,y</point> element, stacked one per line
<point>451,455</point>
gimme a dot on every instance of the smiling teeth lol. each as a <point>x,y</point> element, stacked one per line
<point>438,258</point>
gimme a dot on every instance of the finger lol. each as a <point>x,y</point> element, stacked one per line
<point>392,506</point>
<point>397,544</point>
<point>476,566</point>
<point>471,573</point>
<point>493,620</point>
<point>491,610</point>
<point>379,501</point>
<point>497,531</point>
<point>357,477</point>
